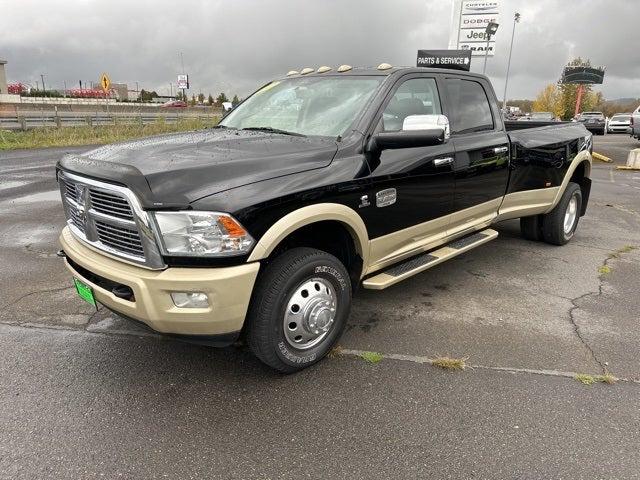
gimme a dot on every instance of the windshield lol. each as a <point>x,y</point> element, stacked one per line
<point>324,106</point>
<point>621,118</point>
<point>542,115</point>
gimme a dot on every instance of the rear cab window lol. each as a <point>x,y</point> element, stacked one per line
<point>469,107</point>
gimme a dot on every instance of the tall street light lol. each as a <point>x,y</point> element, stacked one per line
<point>489,32</point>
<point>516,19</point>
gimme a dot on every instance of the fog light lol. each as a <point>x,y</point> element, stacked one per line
<point>190,299</point>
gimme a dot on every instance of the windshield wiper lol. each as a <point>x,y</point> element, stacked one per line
<point>274,130</point>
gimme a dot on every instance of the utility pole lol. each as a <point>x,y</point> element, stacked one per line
<point>42,77</point>
<point>170,89</point>
<point>184,90</point>
<point>516,19</point>
<point>491,30</point>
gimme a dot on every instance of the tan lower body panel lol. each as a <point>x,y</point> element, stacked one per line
<point>408,269</point>
<point>397,246</point>
<point>527,203</point>
<point>229,291</point>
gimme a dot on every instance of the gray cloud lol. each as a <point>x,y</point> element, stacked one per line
<point>236,45</point>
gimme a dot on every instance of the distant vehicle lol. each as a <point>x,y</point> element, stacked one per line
<point>595,122</point>
<point>540,117</point>
<point>175,103</point>
<point>635,123</point>
<point>619,123</point>
<point>227,106</point>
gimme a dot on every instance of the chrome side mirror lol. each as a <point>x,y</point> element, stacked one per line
<point>427,122</point>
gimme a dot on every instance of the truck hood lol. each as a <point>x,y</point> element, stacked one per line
<point>178,169</point>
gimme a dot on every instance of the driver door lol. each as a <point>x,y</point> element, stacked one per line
<point>422,177</point>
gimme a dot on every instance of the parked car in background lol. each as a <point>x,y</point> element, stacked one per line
<point>595,122</point>
<point>619,123</point>
<point>542,117</point>
<point>635,123</point>
<point>175,103</point>
<point>227,106</point>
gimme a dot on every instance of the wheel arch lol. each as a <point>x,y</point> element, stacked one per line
<point>579,172</point>
<point>309,215</point>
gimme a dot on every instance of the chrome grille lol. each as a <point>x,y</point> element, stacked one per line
<point>110,204</point>
<point>109,218</point>
<point>120,238</point>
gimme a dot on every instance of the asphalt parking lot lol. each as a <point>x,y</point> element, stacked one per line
<point>85,394</point>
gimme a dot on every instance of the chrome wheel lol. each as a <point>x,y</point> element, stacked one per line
<point>310,314</point>
<point>570,215</point>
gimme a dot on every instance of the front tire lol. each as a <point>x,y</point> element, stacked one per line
<point>560,224</point>
<point>299,309</point>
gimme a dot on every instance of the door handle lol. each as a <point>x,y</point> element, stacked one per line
<point>501,150</point>
<point>443,161</point>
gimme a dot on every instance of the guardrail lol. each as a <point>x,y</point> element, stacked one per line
<point>29,120</point>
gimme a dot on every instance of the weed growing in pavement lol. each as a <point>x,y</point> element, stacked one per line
<point>604,270</point>
<point>625,249</point>
<point>587,379</point>
<point>372,357</point>
<point>448,363</point>
<point>335,352</point>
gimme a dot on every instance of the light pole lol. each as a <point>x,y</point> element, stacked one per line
<point>490,31</point>
<point>42,77</point>
<point>516,19</point>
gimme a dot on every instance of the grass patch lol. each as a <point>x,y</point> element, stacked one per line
<point>448,363</point>
<point>86,135</point>
<point>604,270</point>
<point>587,379</point>
<point>372,357</point>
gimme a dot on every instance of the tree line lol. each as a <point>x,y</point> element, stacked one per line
<point>560,99</point>
<point>209,100</point>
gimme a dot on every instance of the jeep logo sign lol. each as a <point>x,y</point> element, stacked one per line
<point>453,59</point>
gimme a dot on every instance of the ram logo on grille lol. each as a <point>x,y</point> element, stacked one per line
<point>81,200</point>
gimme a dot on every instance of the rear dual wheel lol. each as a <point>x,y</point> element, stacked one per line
<point>559,225</point>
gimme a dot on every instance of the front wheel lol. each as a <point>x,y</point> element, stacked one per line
<point>560,224</point>
<point>299,309</point>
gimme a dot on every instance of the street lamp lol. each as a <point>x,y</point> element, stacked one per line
<point>490,31</point>
<point>516,19</point>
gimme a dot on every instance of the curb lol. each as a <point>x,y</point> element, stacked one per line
<point>602,158</point>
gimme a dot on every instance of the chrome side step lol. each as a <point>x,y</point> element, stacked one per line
<point>424,261</point>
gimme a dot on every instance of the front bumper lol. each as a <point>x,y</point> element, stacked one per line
<point>229,291</point>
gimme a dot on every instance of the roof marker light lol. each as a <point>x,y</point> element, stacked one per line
<point>304,71</point>
<point>344,68</point>
<point>324,69</point>
<point>384,66</point>
<point>292,72</point>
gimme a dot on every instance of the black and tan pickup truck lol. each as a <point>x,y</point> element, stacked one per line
<point>317,184</point>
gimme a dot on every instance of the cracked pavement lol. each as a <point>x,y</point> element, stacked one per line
<point>85,394</point>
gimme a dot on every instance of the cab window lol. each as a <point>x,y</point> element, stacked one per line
<point>417,96</point>
<point>470,108</point>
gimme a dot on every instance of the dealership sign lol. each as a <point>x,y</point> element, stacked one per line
<point>453,59</point>
<point>183,82</point>
<point>469,21</point>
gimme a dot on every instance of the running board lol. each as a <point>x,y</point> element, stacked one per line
<point>424,261</point>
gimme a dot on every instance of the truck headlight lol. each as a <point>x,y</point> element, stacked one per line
<point>193,233</point>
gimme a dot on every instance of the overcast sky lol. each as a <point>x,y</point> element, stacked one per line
<point>236,45</point>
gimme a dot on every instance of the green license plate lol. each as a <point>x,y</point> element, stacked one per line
<point>85,292</point>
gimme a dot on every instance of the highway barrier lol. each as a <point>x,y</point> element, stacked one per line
<point>35,119</point>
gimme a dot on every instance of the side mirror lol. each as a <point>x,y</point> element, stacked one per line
<point>427,122</point>
<point>417,131</point>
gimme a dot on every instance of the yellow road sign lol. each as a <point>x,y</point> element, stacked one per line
<point>105,82</point>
